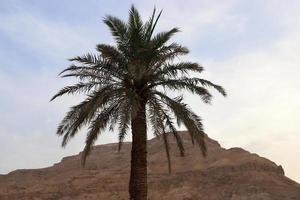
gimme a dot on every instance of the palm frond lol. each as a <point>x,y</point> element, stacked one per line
<point>163,37</point>
<point>124,121</point>
<point>95,127</point>
<point>172,70</point>
<point>94,67</point>
<point>150,26</point>
<point>117,27</point>
<point>164,55</point>
<point>88,59</point>
<point>135,31</point>
<point>191,121</point>
<point>167,148</point>
<point>187,84</point>
<point>84,112</point>
<point>111,53</point>
<point>77,88</point>
<point>207,83</point>
<point>173,130</point>
<point>156,116</point>
<point>160,119</point>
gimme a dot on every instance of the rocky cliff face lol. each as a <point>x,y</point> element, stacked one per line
<point>225,174</point>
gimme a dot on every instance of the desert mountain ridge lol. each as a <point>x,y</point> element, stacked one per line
<point>225,174</point>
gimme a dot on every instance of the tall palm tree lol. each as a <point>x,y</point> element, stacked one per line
<point>125,86</point>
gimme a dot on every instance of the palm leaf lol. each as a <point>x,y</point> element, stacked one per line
<point>95,127</point>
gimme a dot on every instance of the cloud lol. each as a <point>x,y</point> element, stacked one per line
<point>261,111</point>
<point>34,50</point>
<point>46,37</point>
<point>194,18</point>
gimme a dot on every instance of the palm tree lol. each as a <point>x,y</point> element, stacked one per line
<point>125,86</point>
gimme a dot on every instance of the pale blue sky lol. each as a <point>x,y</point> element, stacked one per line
<point>250,47</point>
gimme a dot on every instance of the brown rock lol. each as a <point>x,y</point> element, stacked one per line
<point>232,174</point>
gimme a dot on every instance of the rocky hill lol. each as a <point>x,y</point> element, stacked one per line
<point>225,174</point>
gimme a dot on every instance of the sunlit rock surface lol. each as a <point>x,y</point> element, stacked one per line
<point>225,174</point>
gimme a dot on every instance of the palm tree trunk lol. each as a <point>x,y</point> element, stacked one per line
<point>138,174</point>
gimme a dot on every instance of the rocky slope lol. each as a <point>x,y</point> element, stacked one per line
<point>226,174</point>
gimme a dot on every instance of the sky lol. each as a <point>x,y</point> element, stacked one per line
<point>251,48</point>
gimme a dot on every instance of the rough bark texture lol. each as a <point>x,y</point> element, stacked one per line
<point>138,174</point>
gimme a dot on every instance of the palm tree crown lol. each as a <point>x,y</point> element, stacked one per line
<point>137,71</point>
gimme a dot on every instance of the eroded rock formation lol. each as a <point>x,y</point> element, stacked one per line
<point>225,174</point>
